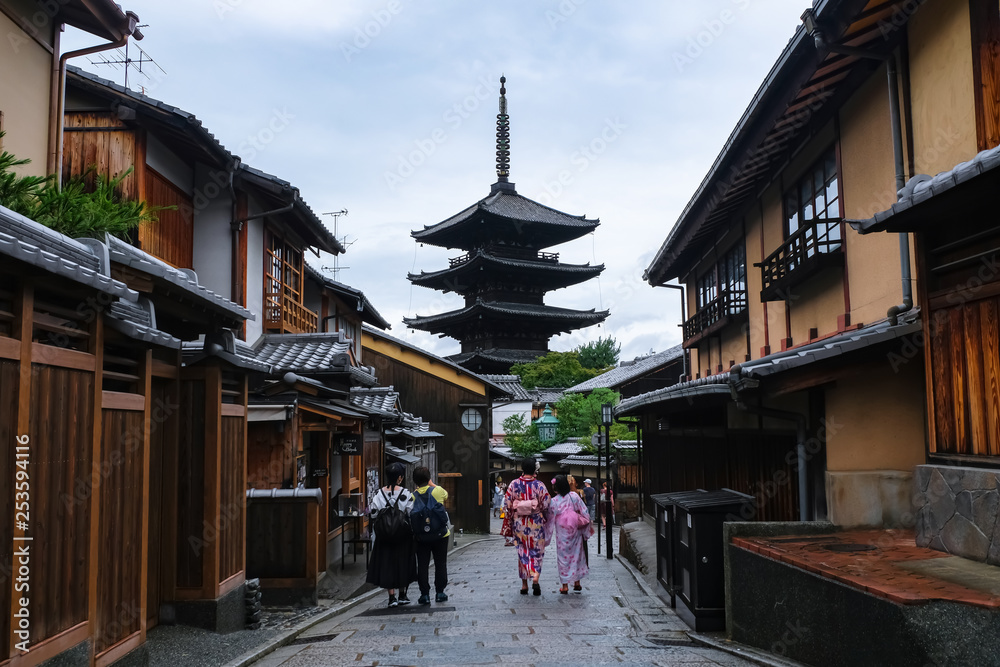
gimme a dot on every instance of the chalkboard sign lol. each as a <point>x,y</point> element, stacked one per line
<point>320,472</point>
<point>347,444</point>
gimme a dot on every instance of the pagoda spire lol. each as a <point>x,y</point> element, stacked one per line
<point>503,135</point>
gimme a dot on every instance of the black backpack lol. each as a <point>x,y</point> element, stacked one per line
<point>428,517</point>
<point>391,526</point>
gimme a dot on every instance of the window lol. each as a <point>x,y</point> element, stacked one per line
<point>472,419</point>
<point>816,197</point>
<point>283,309</point>
<point>733,278</point>
<point>706,289</point>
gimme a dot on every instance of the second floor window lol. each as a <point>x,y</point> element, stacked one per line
<point>815,198</point>
<point>706,288</point>
<point>284,311</point>
<point>733,278</point>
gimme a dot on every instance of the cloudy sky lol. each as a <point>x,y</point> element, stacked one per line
<point>388,108</point>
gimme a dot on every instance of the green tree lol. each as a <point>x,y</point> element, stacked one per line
<point>580,415</point>
<point>555,369</point>
<point>601,353</point>
<point>521,437</point>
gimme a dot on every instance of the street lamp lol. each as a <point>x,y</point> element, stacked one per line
<point>606,416</point>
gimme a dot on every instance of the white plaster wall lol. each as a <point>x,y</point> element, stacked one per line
<point>171,167</point>
<point>213,236</point>
<point>255,273</point>
<point>501,412</point>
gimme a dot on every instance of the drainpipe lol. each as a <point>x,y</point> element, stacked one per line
<point>684,354</point>
<point>59,104</point>
<point>809,20</point>
<point>785,415</point>
<point>236,226</point>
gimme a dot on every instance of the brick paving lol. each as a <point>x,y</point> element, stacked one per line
<point>486,621</point>
<point>878,566</point>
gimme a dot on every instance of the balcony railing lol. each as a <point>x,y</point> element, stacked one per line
<point>714,315</point>
<point>284,315</point>
<point>507,252</point>
<point>813,247</point>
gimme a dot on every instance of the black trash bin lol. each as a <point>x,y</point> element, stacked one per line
<point>692,554</point>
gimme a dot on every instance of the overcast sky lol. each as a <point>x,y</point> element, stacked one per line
<point>388,109</point>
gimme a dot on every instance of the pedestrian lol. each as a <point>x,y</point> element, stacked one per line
<point>608,499</point>
<point>590,498</point>
<point>393,564</point>
<point>529,516</point>
<point>429,495</point>
<point>573,527</point>
<point>572,485</point>
<point>497,497</point>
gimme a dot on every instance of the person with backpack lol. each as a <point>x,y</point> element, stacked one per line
<point>529,521</point>
<point>393,564</point>
<point>429,521</point>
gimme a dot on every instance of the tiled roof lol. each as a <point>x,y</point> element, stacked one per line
<point>922,187</point>
<point>510,309</point>
<point>563,449</point>
<point>362,304</point>
<point>512,383</point>
<point>629,370</point>
<point>550,395</point>
<point>746,374</point>
<point>480,257</point>
<point>35,244</point>
<point>241,356</point>
<point>305,353</point>
<point>510,205</point>
<point>123,253</point>
<point>376,333</point>
<point>498,355</point>
<point>381,400</point>
<point>135,320</point>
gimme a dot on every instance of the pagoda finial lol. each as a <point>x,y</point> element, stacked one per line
<point>503,135</point>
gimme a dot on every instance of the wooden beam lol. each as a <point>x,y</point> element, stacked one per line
<point>233,410</point>
<point>147,392</point>
<point>57,356</point>
<point>24,308</point>
<point>97,348</point>
<point>162,369</point>
<point>10,348</point>
<point>213,470</point>
<point>117,400</point>
<point>119,650</point>
<point>51,647</point>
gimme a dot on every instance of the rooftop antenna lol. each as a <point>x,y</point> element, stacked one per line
<point>337,268</point>
<point>124,58</point>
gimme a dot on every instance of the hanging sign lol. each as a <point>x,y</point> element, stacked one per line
<point>347,444</point>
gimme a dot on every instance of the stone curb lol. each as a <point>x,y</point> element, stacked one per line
<point>743,651</point>
<point>286,637</point>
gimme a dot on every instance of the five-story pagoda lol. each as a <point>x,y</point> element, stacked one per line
<point>504,273</point>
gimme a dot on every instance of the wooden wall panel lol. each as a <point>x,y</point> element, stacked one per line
<point>9,371</point>
<point>231,531</point>
<point>61,439</point>
<point>269,456</point>
<point>191,485</point>
<point>101,141</point>
<point>276,540</point>
<point>119,609</point>
<point>965,357</point>
<point>171,237</point>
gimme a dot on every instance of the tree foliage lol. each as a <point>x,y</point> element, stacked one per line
<point>555,369</point>
<point>580,415</point>
<point>600,354</point>
<point>522,437</point>
<point>75,209</point>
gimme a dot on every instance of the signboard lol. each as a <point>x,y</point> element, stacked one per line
<point>320,472</point>
<point>347,444</point>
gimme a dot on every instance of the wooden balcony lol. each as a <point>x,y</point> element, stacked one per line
<point>505,251</point>
<point>815,246</point>
<point>285,315</point>
<point>717,314</point>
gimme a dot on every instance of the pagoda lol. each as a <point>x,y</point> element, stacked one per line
<point>504,273</point>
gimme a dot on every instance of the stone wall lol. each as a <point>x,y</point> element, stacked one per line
<point>957,511</point>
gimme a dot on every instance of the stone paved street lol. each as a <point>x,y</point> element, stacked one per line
<point>486,621</point>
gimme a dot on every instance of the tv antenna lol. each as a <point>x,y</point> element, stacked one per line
<point>337,268</point>
<point>125,59</point>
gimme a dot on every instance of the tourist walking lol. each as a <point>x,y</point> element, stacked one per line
<point>392,565</point>
<point>590,498</point>
<point>497,497</point>
<point>608,500</point>
<point>431,531</point>
<point>529,521</point>
<point>573,527</point>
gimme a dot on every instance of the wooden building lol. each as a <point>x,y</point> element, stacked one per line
<point>453,402</point>
<point>505,273</point>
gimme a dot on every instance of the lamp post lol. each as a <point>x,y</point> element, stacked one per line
<point>606,416</point>
<point>597,501</point>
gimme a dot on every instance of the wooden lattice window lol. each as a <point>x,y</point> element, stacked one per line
<point>816,196</point>
<point>283,308</point>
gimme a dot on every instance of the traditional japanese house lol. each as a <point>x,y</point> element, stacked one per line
<point>641,375</point>
<point>808,387</point>
<point>505,273</point>
<point>455,403</point>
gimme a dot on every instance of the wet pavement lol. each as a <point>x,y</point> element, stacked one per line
<point>487,621</point>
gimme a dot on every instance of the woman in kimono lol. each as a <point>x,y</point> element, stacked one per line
<point>571,539</point>
<point>531,531</point>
